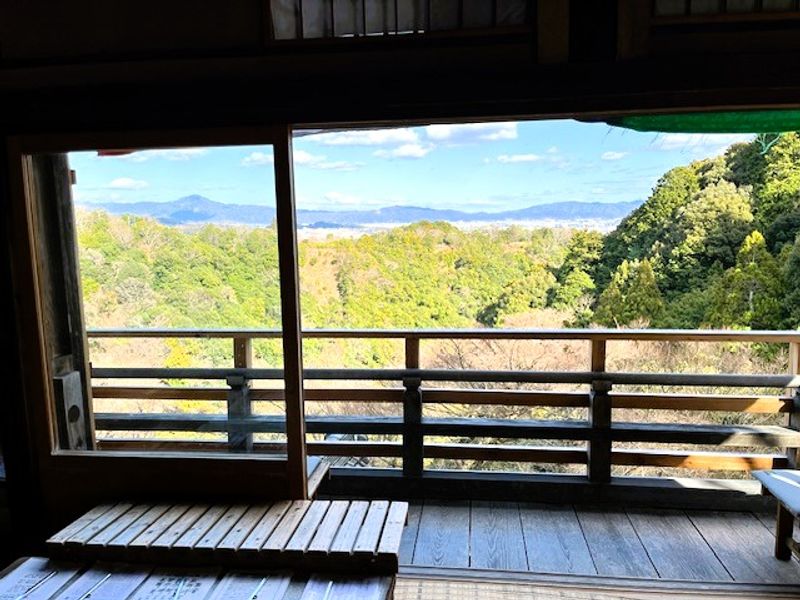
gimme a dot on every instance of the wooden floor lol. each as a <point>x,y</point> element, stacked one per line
<point>663,544</point>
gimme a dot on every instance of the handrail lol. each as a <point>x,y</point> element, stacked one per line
<point>676,335</point>
<point>460,375</point>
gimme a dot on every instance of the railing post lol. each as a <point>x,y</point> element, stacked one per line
<point>413,440</point>
<point>239,404</point>
<point>599,447</point>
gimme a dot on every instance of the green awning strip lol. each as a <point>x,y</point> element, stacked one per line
<point>756,121</point>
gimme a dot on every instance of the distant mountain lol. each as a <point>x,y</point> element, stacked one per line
<point>196,209</point>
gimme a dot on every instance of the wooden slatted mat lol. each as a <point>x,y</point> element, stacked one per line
<point>40,578</point>
<point>319,535</point>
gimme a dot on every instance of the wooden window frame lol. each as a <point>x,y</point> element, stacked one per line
<point>71,480</point>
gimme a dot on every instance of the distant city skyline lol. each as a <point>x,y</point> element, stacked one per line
<point>488,167</point>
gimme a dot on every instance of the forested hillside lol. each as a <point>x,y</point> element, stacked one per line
<point>713,246</point>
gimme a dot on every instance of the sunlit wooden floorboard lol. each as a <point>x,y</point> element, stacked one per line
<point>576,540</point>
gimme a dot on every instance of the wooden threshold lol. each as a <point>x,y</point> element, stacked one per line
<point>618,584</point>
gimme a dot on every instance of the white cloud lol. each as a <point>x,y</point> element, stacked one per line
<point>699,142</point>
<point>366,137</point>
<point>127,183</point>
<point>301,158</point>
<point>405,151</point>
<point>341,199</point>
<point>611,155</point>
<point>167,154</point>
<point>258,159</point>
<point>518,158</point>
<point>472,132</point>
<point>553,150</point>
<point>315,161</point>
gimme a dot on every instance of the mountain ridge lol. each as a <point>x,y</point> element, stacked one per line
<point>197,209</point>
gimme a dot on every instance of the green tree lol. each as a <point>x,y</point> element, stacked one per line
<point>523,295</point>
<point>780,193</point>
<point>635,236</point>
<point>576,284</point>
<point>632,295</point>
<point>748,295</point>
<point>706,232</point>
<point>791,275</point>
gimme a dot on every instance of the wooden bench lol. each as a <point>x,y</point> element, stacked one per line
<point>784,484</point>
<point>46,578</point>
<point>337,536</point>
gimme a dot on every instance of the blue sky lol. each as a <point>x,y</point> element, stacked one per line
<point>473,167</point>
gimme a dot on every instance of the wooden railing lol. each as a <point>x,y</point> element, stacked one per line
<point>598,430</point>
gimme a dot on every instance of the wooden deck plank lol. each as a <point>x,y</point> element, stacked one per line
<point>141,524</point>
<point>615,548</point>
<point>283,532</point>
<point>409,540</point>
<point>554,540</point>
<point>265,526</point>
<point>99,524</point>
<point>677,549</point>
<point>308,526</point>
<point>370,533</point>
<point>443,538</point>
<point>348,531</point>
<point>323,538</point>
<point>79,524</point>
<point>118,526</point>
<point>220,529</point>
<point>251,585</point>
<point>392,535</point>
<point>200,527</point>
<point>159,526</point>
<point>744,546</point>
<point>496,537</point>
<point>174,532</point>
<point>239,532</point>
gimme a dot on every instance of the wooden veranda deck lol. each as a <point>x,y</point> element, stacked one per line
<point>640,543</point>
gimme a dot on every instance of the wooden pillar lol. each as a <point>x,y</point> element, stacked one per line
<point>598,359</point>
<point>290,316</point>
<point>552,31</point>
<point>599,450</point>
<point>599,447</point>
<point>413,440</point>
<point>240,439</point>
<point>633,28</point>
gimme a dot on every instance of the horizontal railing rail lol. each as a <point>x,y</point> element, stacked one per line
<point>416,437</point>
<point>464,376</point>
<point>666,335</point>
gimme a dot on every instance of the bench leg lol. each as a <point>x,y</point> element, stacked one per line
<point>784,530</point>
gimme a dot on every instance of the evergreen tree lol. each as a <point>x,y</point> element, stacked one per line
<point>791,275</point>
<point>748,295</point>
<point>632,295</point>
